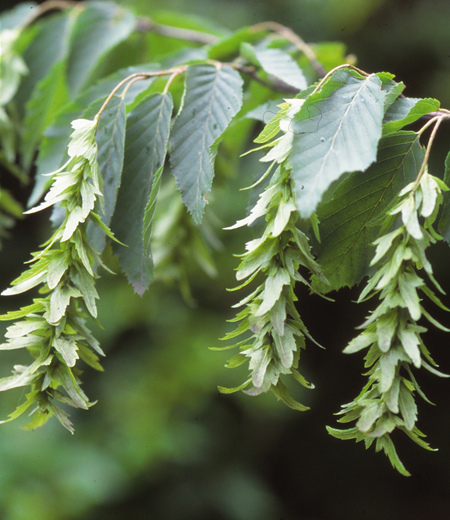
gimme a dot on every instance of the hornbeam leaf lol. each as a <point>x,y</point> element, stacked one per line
<point>147,136</point>
<point>405,111</point>
<point>43,54</point>
<point>277,63</point>
<point>47,98</point>
<point>110,139</point>
<point>213,96</point>
<point>336,131</point>
<point>100,27</point>
<point>346,250</point>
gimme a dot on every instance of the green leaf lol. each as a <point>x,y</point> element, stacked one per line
<point>42,55</point>
<point>336,131</point>
<point>276,63</point>
<point>24,311</point>
<point>408,407</point>
<point>369,415</point>
<point>346,249</point>
<point>47,98</point>
<point>99,28</point>
<point>386,443</point>
<point>147,136</point>
<point>67,348</point>
<point>281,393</point>
<point>224,390</point>
<point>85,284</point>
<point>71,386</point>
<point>229,45</point>
<point>213,96</point>
<point>405,111</point>
<point>110,140</point>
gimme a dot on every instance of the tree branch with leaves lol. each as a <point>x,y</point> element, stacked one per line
<point>346,195</point>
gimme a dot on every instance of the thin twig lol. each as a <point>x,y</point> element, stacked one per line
<point>278,86</point>
<point>429,145</point>
<point>148,25</point>
<point>49,6</point>
<point>290,35</point>
<point>133,77</point>
<point>177,72</point>
<point>344,66</point>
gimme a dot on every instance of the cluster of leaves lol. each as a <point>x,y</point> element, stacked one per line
<point>391,331</point>
<point>270,314</point>
<point>341,160</point>
<point>53,327</point>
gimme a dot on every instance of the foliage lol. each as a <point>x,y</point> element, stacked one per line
<point>344,176</point>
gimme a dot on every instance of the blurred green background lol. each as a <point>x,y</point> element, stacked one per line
<point>162,443</point>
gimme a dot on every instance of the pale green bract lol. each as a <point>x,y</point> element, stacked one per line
<point>53,328</point>
<point>277,333</point>
<point>391,332</point>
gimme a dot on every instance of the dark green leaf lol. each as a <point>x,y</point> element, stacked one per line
<point>213,96</point>
<point>229,45</point>
<point>110,139</point>
<point>100,27</point>
<point>336,131</point>
<point>145,150</point>
<point>346,250</point>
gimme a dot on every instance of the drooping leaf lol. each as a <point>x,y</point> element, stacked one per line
<point>405,111</point>
<point>145,149</point>
<point>47,98</point>
<point>43,54</point>
<point>213,96</point>
<point>346,249</point>
<point>99,28</point>
<point>336,131</point>
<point>110,140</point>
<point>276,63</point>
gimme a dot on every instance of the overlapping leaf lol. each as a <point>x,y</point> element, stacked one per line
<point>49,95</point>
<point>99,28</point>
<point>336,131</point>
<point>405,111</point>
<point>145,150</point>
<point>213,96</point>
<point>111,143</point>
<point>346,233</point>
<point>276,63</point>
<point>43,54</point>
